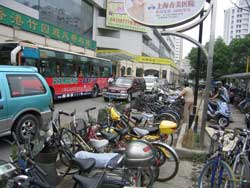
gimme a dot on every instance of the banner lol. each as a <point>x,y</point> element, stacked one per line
<point>155,60</point>
<point>12,18</point>
<point>163,12</point>
<point>118,18</point>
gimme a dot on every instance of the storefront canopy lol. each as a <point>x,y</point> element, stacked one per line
<point>115,55</point>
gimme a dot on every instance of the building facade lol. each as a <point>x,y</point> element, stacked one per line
<point>135,50</point>
<point>236,22</point>
<point>61,24</point>
<point>92,27</point>
<point>178,49</point>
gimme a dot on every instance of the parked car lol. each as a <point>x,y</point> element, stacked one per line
<point>125,88</point>
<point>151,83</point>
<point>25,102</point>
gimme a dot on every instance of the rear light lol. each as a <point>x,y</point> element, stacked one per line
<point>147,149</point>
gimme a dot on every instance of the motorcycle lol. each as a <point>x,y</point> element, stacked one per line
<point>219,112</point>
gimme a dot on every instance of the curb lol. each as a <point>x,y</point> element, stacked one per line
<point>185,153</point>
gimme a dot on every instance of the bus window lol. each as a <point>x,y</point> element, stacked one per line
<point>67,69</point>
<point>29,62</point>
<point>5,50</point>
<point>48,68</point>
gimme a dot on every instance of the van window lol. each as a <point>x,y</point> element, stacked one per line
<point>25,85</point>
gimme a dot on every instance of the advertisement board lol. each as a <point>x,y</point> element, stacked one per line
<point>118,18</point>
<point>163,12</point>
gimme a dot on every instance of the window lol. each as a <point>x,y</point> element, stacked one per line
<point>74,16</point>
<point>164,74</point>
<point>104,72</point>
<point>139,72</point>
<point>30,3</point>
<point>5,50</point>
<point>102,12</point>
<point>25,85</point>
<point>129,71</point>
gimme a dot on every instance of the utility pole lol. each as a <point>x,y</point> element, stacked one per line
<point>248,61</point>
<point>197,73</point>
<point>209,72</point>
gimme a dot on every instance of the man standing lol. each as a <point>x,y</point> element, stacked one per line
<point>188,95</point>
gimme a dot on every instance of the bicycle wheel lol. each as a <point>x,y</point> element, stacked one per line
<point>140,177</point>
<point>216,176</point>
<point>241,171</point>
<point>167,161</point>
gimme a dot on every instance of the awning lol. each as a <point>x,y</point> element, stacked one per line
<point>237,75</point>
<point>114,55</point>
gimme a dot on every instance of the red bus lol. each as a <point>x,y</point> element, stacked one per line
<point>68,74</point>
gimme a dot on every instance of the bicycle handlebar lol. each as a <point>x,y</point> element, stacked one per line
<point>90,109</point>
<point>67,114</point>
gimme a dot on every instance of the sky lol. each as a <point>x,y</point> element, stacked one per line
<point>222,5</point>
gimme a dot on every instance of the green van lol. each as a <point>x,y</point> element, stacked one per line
<point>25,102</point>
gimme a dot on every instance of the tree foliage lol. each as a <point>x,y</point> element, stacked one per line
<point>228,59</point>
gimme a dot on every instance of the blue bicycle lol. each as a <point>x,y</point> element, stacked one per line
<point>217,173</point>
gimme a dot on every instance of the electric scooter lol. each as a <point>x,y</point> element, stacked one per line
<point>219,112</point>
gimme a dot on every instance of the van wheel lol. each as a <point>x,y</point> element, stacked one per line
<point>26,126</point>
<point>94,91</point>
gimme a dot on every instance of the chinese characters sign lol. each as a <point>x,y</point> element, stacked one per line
<point>155,60</point>
<point>13,18</point>
<point>118,18</point>
<point>163,12</point>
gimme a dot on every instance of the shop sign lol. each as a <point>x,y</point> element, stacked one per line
<point>12,18</point>
<point>163,12</point>
<point>155,60</point>
<point>117,17</point>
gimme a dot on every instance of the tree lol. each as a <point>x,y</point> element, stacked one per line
<point>239,51</point>
<point>221,65</point>
<point>246,7</point>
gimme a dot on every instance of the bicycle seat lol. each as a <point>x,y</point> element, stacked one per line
<point>85,165</point>
<point>88,182</point>
<point>140,132</point>
<point>152,129</point>
<point>137,118</point>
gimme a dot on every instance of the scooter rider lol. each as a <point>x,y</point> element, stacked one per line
<point>222,93</point>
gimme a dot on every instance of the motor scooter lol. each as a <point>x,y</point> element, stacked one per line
<point>219,111</point>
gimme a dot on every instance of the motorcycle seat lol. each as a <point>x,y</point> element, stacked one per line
<point>85,165</point>
<point>122,132</point>
<point>137,118</point>
<point>152,129</point>
<point>109,136</point>
<point>140,132</point>
<point>88,182</point>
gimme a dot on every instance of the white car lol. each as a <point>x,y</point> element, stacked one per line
<point>151,83</point>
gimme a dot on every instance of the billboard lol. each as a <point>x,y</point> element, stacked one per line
<point>163,12</point>
<point>118,18</point>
